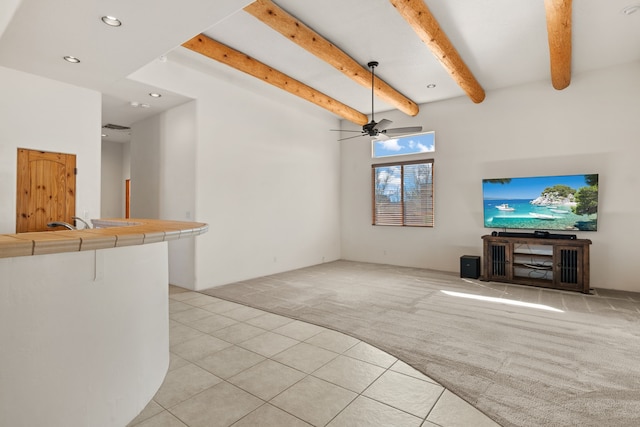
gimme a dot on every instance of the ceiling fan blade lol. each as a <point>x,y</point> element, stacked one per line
<point>381,137</point>
<point>384,123</point>
<point>344,130</point>
<point>410,129</point>
<point>351,137</point>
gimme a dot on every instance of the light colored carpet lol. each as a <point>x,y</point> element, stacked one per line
<point>521,366</point>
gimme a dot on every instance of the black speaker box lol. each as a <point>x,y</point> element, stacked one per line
<point>470,266</point>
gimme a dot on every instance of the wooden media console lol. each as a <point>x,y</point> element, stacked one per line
<point>557,263</point>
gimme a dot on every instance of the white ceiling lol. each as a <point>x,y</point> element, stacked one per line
<point>503,42</point>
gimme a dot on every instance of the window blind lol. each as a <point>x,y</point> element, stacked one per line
<point>403,193</point>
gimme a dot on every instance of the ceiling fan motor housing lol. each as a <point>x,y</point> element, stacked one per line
<point>370,129</point>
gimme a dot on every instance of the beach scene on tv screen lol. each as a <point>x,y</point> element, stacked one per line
<point>567,202</point>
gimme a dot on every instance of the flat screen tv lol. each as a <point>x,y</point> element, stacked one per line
<point>564,202</point>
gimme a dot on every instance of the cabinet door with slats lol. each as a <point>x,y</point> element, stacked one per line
<point>569,267</point>
<point>498,256</point>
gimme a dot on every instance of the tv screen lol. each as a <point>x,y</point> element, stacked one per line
<point>564,202</point>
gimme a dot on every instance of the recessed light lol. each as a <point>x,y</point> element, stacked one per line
<point>155,95</point>
<point>71,59</point>
<point>136,104</point>
<point>631,9</point>
<point>431,86</point>
<point>111,21</point>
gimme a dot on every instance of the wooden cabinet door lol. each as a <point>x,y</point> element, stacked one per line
<point>46,189</point>
<point>498,261</point>
<point>569,267</point>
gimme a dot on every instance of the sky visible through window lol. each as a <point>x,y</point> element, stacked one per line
<point>412,144</point>
<point>389,180</point>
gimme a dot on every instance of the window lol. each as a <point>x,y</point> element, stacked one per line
<point>409,144</point>
<point>403,193</point>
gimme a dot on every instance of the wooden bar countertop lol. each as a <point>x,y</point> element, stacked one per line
<point>110,233</point>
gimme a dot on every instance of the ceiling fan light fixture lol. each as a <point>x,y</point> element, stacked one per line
<point>155,95</point>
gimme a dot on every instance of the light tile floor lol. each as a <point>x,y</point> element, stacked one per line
<point>232,365</point>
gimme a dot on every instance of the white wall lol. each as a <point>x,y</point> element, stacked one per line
<point>126,161</point>
<point>590,127</point>
<point>267,176</point>
<point>178,200</point>
<point>84,334</point>
<point>112,192</point>
<point>145,157</point>
<point>7,10</point>
<point>43,114</point>
<point>163,183</point>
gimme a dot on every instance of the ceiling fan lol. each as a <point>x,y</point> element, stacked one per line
<point>378,130</point>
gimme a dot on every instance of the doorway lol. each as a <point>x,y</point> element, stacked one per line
<point>127,198</point>
<point>46,189</point>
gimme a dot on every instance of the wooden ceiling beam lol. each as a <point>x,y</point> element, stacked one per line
<point>242,62</point>
<point>559,33</point>
<point>296,31</point>
<point>419,17</point>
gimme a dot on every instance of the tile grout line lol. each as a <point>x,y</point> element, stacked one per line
<point>434,405</point>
